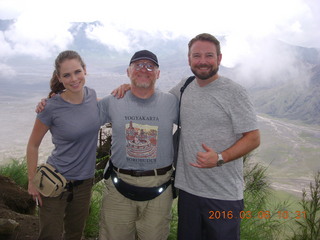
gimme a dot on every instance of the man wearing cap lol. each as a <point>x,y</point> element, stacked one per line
<point>138,195</point>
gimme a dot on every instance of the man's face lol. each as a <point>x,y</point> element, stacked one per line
<point>203,59</point>
<point>143,74</point>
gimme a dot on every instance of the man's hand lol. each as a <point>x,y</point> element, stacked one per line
<point>121,90</point>
<point>206,159</point>
<point>41,105</point>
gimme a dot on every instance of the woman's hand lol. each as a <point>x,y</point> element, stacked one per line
<point>35,194</point>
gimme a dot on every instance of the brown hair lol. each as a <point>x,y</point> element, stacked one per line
<point>205,37</point>
<point>55,85</point>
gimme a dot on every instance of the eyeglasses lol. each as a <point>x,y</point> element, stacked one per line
<point>138,66</point>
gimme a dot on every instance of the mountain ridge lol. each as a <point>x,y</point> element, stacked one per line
<point>290,90</point>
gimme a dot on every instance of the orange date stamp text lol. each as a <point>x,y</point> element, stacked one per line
<point>256,215</point>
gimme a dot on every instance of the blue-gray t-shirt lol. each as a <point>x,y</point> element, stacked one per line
<point>141,129</point>
<point>74,129</point>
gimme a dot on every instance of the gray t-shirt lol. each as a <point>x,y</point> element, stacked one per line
<point>74,129</point>
<point>141,129</point>
<point>215,115</point>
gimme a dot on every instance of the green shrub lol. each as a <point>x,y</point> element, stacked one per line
<point>17,171</point>
<point>309,223</point>
<point>174,221</point>
<point>92,224</point>
<point>259,219</point>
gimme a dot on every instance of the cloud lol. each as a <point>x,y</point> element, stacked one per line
<point>6,72</point>
<point>5,47</point>
<point>10,9</point>
<point>42,27</point>
<point>101,33</point>
<point>40,34</point>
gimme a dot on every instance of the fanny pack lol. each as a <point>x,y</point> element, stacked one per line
<point>48,181</point>
<point>138,193</point>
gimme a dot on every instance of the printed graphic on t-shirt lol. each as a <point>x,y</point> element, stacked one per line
<point>141,143</point>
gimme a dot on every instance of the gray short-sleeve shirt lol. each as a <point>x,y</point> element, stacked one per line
<point>215,115</point>
<point>74,129</point>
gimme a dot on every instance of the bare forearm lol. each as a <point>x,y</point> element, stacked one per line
<point>32,161</point>
<point>246,144</point>
<point>38,132</point>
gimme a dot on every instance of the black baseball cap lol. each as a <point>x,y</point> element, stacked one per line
<point>144,54</point>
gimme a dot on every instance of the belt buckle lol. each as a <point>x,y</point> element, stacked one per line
<point>135,173</point>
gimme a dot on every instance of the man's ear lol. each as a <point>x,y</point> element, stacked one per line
<point>219,58</point>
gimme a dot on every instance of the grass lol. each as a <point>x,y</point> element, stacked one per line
<point>309,225</point>
<point>17,171</point>
<point>287,213</point>
<point>174,221</point>
<point>260,220</point>
<point>92,224</point>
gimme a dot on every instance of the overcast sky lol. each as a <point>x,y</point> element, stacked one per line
<point>42,25</point>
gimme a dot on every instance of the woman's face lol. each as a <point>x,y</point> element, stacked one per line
<point>72,75</point>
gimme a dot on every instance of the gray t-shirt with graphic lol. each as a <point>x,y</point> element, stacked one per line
<point>141,129</point>
<point>215,115</point>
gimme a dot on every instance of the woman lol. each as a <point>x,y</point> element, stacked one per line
<point>72,118</point>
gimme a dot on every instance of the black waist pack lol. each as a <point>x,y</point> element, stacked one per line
<point>138,193</point>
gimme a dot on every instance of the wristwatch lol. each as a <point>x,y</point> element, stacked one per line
<point>220,161</point>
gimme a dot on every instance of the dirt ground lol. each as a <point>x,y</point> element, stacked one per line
<point>16,204</point>
<point>28,225</point>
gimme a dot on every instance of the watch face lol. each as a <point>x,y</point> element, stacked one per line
<point>220,163</point>
<point>220,160</point>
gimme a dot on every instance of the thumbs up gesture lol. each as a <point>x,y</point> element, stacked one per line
<point>206,159</point>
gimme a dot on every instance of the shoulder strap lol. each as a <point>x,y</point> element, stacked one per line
<point>176,136</point>
<point>189,80</point>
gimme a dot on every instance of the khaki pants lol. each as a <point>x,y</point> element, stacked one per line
<point>124,219</point>
<point>60,219</point>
